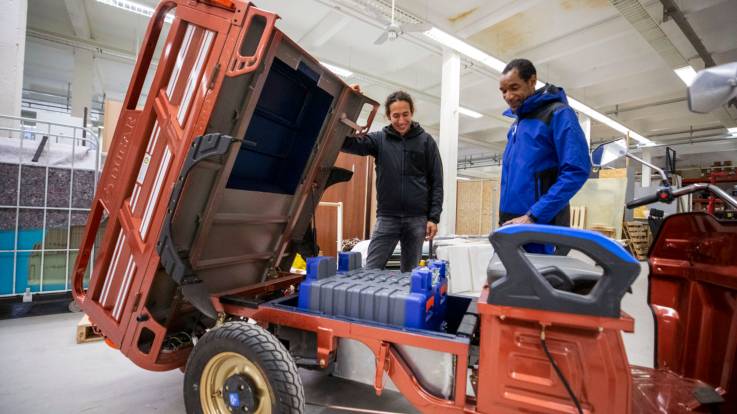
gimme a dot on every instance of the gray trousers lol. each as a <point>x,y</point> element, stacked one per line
<point>409,231</point>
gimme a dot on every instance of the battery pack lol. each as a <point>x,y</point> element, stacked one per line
<point>344,289</point>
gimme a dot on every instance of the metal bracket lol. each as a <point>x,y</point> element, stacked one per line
<point>325,345</point>
<point>382,364</point>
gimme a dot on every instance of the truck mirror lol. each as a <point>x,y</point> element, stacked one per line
<point>712,88</point>
<point>609,152</point>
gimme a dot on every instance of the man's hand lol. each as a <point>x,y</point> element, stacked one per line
<point>356,88</point>
<point>520,220</point>
<point>431,230</point>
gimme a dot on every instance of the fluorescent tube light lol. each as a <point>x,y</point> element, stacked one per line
<point>732,132</point>
<point>469,113</point>
<point>474,53</point>
<point>345,73</point>
<point>133,7</point>
<point>464,48</point>
<point>580,107</point>
<point>464,178</point>
<point>686,73</point>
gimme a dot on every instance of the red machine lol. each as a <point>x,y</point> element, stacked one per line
<point>207,195</point>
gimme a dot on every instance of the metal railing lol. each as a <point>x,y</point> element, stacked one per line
<point>36,143</point>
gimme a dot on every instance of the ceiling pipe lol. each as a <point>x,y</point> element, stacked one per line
<point>618,109</point>
<point>688,131</point>
<point>671,9</point>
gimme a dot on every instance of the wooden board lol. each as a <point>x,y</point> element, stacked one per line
<point>354,195</point>
<point>613,173</point>
<point>86,332</point>
<point>638,238</point>
<point>476,203</point>
<point>608,231</point>
<point>578,217</point>
<point>469,200</point>
<point>109,121</point>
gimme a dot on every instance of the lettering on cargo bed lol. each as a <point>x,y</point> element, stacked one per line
<point>119,158</point>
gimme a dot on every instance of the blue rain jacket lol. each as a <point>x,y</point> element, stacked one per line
<point>546,160</point>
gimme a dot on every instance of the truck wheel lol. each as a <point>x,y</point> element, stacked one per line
<point>241,368</point>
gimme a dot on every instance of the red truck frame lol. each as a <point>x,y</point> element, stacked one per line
<point>209,47</point>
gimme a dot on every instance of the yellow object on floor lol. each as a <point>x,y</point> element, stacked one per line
<point>299,262</point>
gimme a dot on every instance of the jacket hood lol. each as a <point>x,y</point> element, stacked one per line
<point>542,97</point>
<point>415,130</point>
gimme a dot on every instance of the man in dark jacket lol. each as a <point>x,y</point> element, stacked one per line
<point>546,160</point>
<point>409,184</point>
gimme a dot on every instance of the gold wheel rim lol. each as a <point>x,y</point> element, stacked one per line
<point>217,371</point>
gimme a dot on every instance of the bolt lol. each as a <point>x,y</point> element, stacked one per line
<point>241,388</point>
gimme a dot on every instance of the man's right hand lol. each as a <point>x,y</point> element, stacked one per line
<point>356,88</point>
<point>519,220</point>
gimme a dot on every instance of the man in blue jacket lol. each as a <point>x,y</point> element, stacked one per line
<point>547,158</point>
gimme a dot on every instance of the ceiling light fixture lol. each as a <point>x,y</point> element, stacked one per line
<point>464,48</point>
<point>469,112</point>
<point>133,7</point>
<point>345,73</point>
<point>732,132</point>
<point>686,73</point>
<point>476,54</point>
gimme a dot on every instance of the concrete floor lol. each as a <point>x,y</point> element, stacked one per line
<point>42,369</point>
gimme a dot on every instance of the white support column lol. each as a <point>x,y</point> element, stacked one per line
<point>448,140</point>
<point>12,55</point>
<point>82,81</point>
<point>585,122</point>
<point>646,171</point>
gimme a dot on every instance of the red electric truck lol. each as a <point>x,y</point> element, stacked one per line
<point>207,195</point>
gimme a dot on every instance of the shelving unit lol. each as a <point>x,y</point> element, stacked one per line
<point>711,204</point>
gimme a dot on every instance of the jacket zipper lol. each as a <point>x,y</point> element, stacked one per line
<point>514,141</point>
<point>401,187</point>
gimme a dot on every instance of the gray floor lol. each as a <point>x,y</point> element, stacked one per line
<point>42,369</point>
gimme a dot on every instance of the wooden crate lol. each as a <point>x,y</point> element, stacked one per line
<point>613,173</point>
<point>638,238</point>
<point>87,332</point>
<point>578,217</point>
<point>608,231</point>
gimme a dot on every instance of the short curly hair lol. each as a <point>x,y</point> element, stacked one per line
<point>399,96</point>
<point>524,67</point>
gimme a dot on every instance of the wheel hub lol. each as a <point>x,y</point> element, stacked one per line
<point>238,392</point>
<point>230,383</point>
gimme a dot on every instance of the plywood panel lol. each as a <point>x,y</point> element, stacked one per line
<point>487,206</point>
<point>604,200</point>
<point>468,207</point>
<point>613,173</point>
<point>355,196</point>
<point>476,205</point>
<point>326,219</point>
<point>109,121</point>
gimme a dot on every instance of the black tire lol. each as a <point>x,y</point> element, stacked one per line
<point>260,348</point>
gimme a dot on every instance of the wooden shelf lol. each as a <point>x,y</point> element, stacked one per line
<point>718,177</point>
<point>706,200</point>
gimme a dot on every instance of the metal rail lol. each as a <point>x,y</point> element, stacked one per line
<point>31,130</point>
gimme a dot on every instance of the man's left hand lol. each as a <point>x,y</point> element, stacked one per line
<point>431,230</point>
<point>520,220</point>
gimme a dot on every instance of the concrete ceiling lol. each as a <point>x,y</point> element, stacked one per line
<point>585,46</point>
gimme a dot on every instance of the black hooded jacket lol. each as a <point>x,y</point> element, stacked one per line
<point>409,172</point>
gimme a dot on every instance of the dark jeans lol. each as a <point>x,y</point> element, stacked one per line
<point>409,231</point>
